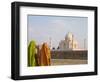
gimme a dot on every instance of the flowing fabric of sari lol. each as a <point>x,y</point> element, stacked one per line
<point>45,55</point>
<point>38,55</point>
<point>32,51</point>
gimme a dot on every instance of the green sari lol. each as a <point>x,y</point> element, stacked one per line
<point>32,51</point>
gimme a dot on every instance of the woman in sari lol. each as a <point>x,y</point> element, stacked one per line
<point>32,51</point>
<point>45,55</point>
<point>38,56</point>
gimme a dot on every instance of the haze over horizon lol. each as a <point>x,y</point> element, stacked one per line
<point>42,28</point>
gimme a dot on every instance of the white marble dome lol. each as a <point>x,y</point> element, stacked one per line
<point>69,36</point>
<point>70,43</point>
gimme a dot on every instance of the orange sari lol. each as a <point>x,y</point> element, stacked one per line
<point>45,55</point>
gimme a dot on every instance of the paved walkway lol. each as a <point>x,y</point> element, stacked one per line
<point>67,61</point>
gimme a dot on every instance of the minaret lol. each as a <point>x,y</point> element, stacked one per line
<point>72,41</point>
<point>84,43</point>
<point>50,42</point>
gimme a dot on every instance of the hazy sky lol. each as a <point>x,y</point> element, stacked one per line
<point>42,28</point>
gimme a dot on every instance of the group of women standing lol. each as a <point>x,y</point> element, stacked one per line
<point>38,56</point>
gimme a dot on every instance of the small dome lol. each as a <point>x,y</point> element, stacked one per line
<point>69,36</point>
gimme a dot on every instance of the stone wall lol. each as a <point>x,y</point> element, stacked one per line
<point>83,54</point>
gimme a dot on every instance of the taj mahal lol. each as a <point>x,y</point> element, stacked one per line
<point>69,43</point>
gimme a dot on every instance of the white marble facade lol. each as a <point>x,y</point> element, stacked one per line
<point>69,43</point>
